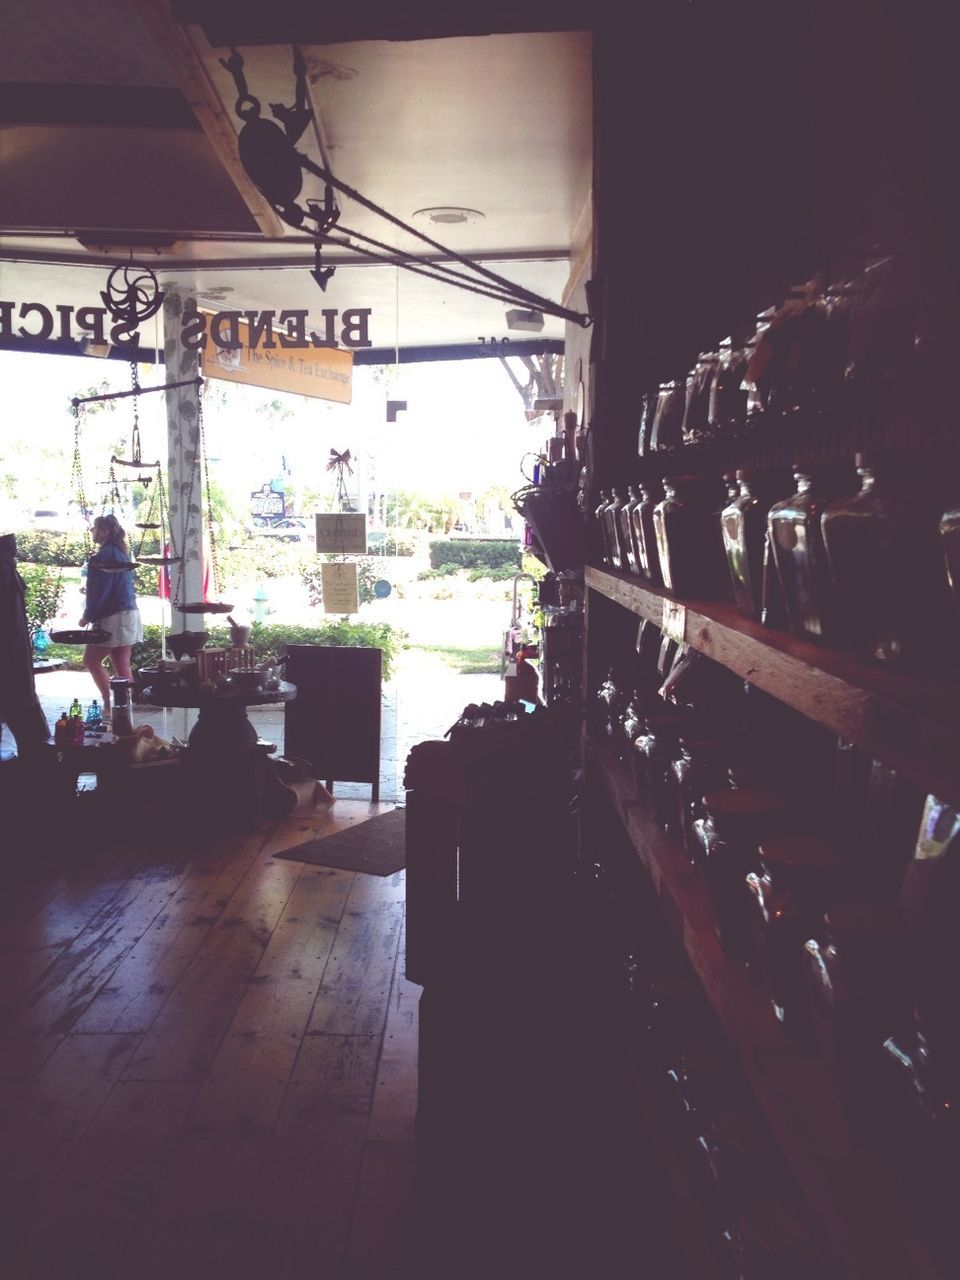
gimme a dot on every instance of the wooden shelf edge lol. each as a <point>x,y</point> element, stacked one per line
<point>856,1202</point>
<point>908,722</point>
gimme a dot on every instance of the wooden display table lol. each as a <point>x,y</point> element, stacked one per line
<point>223,727</point>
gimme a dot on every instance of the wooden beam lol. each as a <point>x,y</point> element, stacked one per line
<point>182,48</point>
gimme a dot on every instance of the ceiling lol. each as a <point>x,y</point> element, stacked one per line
<point>118,133</point>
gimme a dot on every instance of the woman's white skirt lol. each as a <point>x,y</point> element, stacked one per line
<point>125,628</point>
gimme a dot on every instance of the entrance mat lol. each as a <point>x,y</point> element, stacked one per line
<point>376,846</point>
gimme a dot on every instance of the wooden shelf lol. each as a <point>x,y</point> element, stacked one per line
<point>858,1204</point>
<point>909,722</point>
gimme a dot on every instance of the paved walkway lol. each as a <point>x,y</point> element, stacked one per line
<point>421,701</point>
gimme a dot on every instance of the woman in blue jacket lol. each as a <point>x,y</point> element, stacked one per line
<point>111,605</point>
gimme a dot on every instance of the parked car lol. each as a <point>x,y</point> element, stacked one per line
<point>55,521</point>
<point>290,529</point>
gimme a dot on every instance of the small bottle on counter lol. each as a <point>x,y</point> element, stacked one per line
<point>61,730</point>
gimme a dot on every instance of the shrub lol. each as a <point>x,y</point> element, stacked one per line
<point>470,553</point>
<point>391,543</point>
<point>501,573</point>
<point>44,594</point>
<point>40,546</point>
<point>441,571</point>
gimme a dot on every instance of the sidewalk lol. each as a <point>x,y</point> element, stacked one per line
<point>421,702</point>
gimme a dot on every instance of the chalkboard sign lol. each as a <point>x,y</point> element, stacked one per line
<point>334,721</point>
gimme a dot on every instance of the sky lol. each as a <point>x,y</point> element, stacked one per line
<point>464,429</point>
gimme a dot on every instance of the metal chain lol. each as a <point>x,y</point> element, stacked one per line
<point>135,433</point>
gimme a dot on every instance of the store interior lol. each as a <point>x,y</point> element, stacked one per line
<point>663,983</point>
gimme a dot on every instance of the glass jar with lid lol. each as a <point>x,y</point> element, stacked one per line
<point>727,409</point>
<point>697,770</point>
<point>666,431</point>
<point>799,877</point>
<point>728,837</point>
<point>609,705</point>
<point>645,532</point>
<point>860,978</point>
<point>648,410</point>
<point>744,526</point>
<point>653,751</point>
<point>886,561</point>
<point>796,540</point>
<point>696,416</point>
<point>741,1159</point>
<point>773,1242</point>
<point>686,524</point>
<point>950,537</point>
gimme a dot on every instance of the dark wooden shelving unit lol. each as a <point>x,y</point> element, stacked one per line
<point>856,1202</point>
<point>909,722</point>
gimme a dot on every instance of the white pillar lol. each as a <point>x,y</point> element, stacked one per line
<point>184,479</point>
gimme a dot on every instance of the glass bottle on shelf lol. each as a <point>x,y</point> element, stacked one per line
<point>800,877</point>
<point>611,522</point>
<point>690,550</point>
<point>727,850</point>
<point>886,561</point>
<point>796,540</point>
<point>628,544</point>
<point>860,979</point>
<point>601,526</point>
<point>645,532</point>
<point>76,710</point>
<point>744,526</point>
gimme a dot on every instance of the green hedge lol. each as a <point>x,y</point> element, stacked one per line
<point>266,639</point>
<point>471,553</point>
<point>39,546</point>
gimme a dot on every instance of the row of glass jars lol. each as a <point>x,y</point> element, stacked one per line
<point>875,570</point>
<point>866,331</point>
<point>750,1206</point>
<point>829,926</point>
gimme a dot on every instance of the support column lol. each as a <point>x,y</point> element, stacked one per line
<point>184,479</point>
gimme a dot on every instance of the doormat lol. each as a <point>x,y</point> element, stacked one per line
<point>376,846</point>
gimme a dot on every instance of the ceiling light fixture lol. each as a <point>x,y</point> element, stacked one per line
<point>449,215</point>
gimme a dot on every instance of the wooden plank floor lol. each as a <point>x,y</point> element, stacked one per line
<point>208,1065</point>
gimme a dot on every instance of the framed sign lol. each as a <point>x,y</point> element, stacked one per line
<point>342,533</point>
<point>338,586</point>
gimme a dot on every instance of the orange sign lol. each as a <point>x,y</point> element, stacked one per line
<point>325,373</point>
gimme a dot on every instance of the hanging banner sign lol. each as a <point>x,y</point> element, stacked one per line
<point>326,373</point>
<point>342,533</point>
<point>338,586</point>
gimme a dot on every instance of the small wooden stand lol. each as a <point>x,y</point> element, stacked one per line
<point>211,662</point>
<point>240,658</point>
